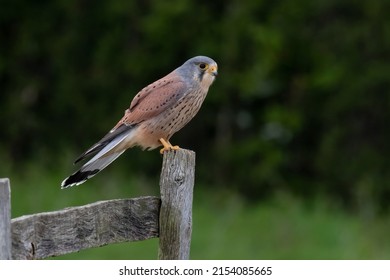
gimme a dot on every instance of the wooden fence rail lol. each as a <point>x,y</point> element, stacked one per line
<point>101,223</point>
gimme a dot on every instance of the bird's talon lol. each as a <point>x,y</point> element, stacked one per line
<point>173,148</point>
<point>167,146</point>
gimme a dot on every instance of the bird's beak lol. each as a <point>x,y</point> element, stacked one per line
<point>213,70</point>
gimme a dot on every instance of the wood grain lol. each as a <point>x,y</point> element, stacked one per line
<point>5,220</point>
<point>56,233</point>
<point>176,187</point>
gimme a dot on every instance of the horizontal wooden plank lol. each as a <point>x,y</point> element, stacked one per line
<point>70,230</point>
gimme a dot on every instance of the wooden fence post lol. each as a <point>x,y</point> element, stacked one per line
<point>176,188</point>
<point>5,220</point>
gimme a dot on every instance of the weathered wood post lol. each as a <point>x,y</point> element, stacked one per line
<point>5,220</point>
<point>176,187</point>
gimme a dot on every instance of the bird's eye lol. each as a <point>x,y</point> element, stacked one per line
<point>203,66</point>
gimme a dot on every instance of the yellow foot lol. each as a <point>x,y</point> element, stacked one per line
<point>167,146</point>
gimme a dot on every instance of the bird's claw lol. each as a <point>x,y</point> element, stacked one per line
<point>167,146</point>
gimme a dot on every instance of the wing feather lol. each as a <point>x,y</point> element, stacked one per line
<point>114,133</point>
<point>154,99</point>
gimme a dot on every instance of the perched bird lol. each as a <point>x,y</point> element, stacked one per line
<point>155,114</point>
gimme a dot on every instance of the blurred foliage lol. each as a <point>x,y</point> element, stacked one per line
<point>301,103</point>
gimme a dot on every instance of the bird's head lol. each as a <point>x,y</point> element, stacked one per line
<point>202,69</point>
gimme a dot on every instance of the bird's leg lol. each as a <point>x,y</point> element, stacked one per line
<point>167,146</point>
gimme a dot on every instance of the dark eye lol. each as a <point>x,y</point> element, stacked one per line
<point>203,66</point>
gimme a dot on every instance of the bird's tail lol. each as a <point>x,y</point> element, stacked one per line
<point>103,158</point>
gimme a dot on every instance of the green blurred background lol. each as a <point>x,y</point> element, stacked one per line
<point>292,142</point>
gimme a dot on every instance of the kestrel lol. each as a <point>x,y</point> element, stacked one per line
<point>155,114</point>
